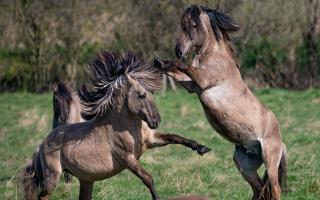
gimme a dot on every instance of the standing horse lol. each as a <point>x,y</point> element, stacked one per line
<point>66,110</point>
<point>121,114</point>
<point>66,106</point>
<point>230,107</point>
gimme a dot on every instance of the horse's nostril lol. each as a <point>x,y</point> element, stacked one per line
<point>155,124</point>
<point>178,51</point>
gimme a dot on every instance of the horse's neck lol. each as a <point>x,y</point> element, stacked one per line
<point>120,118</point>
<point>55,122</point>
<point>212,46</point>
<point>217,59</point>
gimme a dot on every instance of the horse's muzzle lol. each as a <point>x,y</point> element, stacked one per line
<point>178,51</point>
<point>154,125</point>
<point>153,122</point>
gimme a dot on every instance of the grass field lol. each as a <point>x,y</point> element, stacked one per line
<point>25,120</point>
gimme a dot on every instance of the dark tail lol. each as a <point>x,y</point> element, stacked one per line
<point>282,170</point>
<point>30,177</point>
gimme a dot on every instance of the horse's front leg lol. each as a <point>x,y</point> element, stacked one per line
<point>184,80</point>
<point>134,166</point>
<point>200,76</point>
<point>159,139</point>
<point>86,188</point>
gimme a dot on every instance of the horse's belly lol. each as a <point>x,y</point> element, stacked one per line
<point>233,118</point>
<point>90,163</point>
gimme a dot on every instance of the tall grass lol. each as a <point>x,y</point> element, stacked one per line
<point>25,120</point>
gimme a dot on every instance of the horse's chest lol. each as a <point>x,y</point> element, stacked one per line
<point>224,113</point>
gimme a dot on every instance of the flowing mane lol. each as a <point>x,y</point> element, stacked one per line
<point>222,25</point>
<point>108,81</point>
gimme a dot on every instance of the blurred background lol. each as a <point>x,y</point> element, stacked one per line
<point>278,48</point>
<point>44,41</point>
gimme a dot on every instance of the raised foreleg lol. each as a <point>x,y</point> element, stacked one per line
<point>184,81</point>
<point>159,139</point>
<point>200,76</point>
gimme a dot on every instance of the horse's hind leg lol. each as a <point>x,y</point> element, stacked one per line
<point>134,166</point>
<point>160,139</point>
<point>51,179</point>
<point>248,165</point>
<point>51,172</point>
<point>272,151</point>
<point>85,190</point>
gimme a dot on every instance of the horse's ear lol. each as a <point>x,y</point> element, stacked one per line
<point>197,9</point>
<point>55,87</point>
<point>133,82</point>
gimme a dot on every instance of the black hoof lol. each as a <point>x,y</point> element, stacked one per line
<point>202,150</point>
<point>158,63</point>
<point>163,64</point>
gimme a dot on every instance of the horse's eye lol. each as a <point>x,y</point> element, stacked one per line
<point>142,95</point>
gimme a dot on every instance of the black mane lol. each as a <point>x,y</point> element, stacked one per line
<point>108,81</point>
<point>220,22</point>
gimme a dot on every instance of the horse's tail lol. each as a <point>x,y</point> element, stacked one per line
<point>30,177</point>
<point>62,97</point>
<point>282,170</point>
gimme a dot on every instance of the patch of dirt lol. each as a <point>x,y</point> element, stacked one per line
<point>316,101</point>
<point>28,117</point>
<point>220,177</point>
<point>184,110</point>
<point>201,124</point>
<point>315,125</point>
<point>287,123</point>
<point>42,124</point>
<point>150,159</point>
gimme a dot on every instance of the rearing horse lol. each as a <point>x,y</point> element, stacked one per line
<point>230,107</point>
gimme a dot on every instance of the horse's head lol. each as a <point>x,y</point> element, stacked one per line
<point>61,104</point>
<point>118,82</point>
<point>141,102</point>
<point>200,27</point>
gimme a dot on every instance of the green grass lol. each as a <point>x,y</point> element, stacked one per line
<point>25,119</point>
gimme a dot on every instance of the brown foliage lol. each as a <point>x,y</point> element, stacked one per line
<point>47,40</point>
